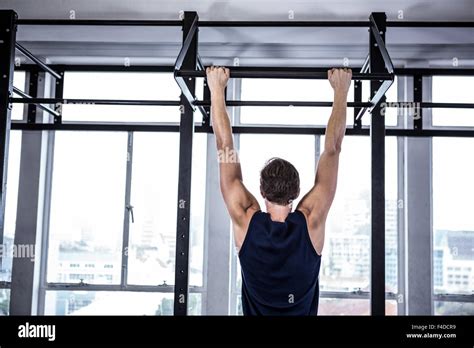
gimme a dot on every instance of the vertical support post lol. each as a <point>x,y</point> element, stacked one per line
<point>418,98</point>
<point>206,121</point>
<point>377,139</point>
<point>186,132</point>
<point>7,62</point>
<point>59,95</point>
<point>128,212</point>
<point>32,91</point>
<point>357,99</point>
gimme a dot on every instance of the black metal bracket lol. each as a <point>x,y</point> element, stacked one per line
<point>38,61</point>
<point>417,98</point>
<point>31,114</point>
<point>190,97</point>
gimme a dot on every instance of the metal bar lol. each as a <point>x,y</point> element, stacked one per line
<point>187,44</point>
<point>27,99</point>
<point>106,287</point>
<point>32,89</point>
<point>283,74</point>
<point>447,105</point>
<point>453,298</point>
<point>236,129</point>
<point>357,99</point>
<point>37,60</point>
<point>417,98</point>
<point>236,103</point>
<point>170,69</point>
<point>154,23</point>
<point>7,62</point>
<point>379,42</point>
<point>95,101</point>
<point>58,94</point>
<point>186,132</point>
<point>377,140</point>
<point>365,65</point>
<point>127,211</point>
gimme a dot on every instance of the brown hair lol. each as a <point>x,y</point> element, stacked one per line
<point>279,181</point>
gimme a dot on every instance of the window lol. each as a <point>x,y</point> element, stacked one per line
<point>13,177</point>
<point>452,89</point>
<point>346,257</point>
<point>18,82</point>
<point>294,90</point>
<point>453,226</point>
<point>87,203</point>
<point>453,308</point>
<point>152,243</point>
<point>4,302</point>
<point>122,86</point>
<point>108,303</point>
<point>343,306</point>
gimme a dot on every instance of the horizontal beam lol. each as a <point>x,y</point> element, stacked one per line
<point>32,57</point>
<point>95,101</point>
<point>310,70</point>
<point>282,74</point>
<point>314,130</point>
<point>41,106</point>
<point>453,298</point>
<point>231,103</point>
<point>177,23</point>
<point>108,287</point>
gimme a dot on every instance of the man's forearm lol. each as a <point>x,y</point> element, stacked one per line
<point>337,123</point>
<point>221,122</point>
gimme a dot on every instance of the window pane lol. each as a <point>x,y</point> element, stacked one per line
<point>13,177</point>
<point>122,86</point>
<point>4,302</point>
<point>108,303</point>
<point>87,207</point>
<point>18,82</point>
<point>346,255</point>
<point>453,225</point>
<point>454,308</point>
<point>291,90</point>
<point>152,246</point>
<point>198,209</point>
<point>195,304</point>
<point>452,89</point>
<point>349,306</point>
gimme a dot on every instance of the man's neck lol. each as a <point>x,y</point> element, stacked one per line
<point>278,212</point>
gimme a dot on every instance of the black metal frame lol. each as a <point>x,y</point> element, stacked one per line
<point>377,68</point>
<point>378,61</point>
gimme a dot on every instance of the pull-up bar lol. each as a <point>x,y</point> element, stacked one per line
<point>199,71</point>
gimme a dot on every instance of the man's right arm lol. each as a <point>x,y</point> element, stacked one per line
<point>316,203</point>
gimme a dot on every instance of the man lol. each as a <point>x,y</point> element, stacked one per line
<point>280,250</point>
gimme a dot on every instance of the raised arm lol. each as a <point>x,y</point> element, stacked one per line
<point>240,203</point>
<point>316,203</point>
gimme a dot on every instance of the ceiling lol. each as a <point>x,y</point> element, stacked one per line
<point>253,46</point>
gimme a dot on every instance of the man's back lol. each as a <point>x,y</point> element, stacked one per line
<point>280,267</point>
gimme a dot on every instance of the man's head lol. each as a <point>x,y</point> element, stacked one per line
<point>279,181</point>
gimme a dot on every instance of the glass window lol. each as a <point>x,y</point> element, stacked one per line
<point>4,302</point>
<point>87,207</point>
<point>13,178</point>
<point>350,306</point>
<point>453,225</point>
<point>452,89</point>
<point>346,256</point>
<point>108,303</point>
<point>194,304</point>
<point>288,89</point>
<point>122,86</point>
<point>19,82</point>
<point>152,246</point>
<point>453,308</point>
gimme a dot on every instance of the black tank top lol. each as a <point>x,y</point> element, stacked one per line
<point>280,267</point>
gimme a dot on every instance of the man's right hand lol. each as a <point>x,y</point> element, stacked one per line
<point>340,79</point>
